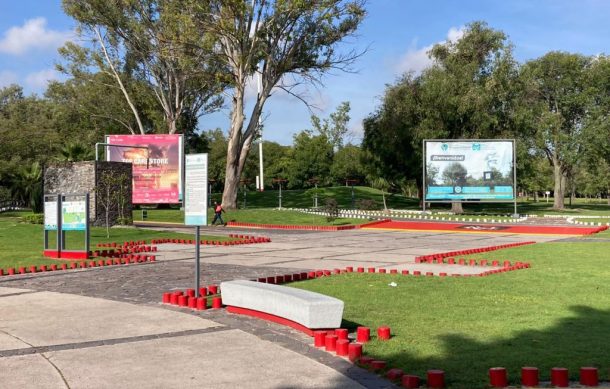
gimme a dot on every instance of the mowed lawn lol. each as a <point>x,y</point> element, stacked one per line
<point>555,314</point>
<point>21,244</point>
<point>260,216</point>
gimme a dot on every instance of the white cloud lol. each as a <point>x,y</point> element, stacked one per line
<point>7,78</point>
<point>34,34</point>
<point>417,60</point>
<point>39,80</point>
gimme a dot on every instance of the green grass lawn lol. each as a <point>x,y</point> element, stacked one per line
<point>300,199</point>
<point>21,244</point>
<point>555,314</point>
<point>262,216</point>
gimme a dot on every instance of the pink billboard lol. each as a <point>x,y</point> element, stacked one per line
<point>157,170</point>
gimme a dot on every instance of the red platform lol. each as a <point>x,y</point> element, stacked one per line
<point>65,254</point>
<point>485,228</point>
<point>273,318</point>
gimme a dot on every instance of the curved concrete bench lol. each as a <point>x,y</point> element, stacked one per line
<point>300,309</point>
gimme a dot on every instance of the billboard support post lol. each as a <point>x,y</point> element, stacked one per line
<point>423,167</point>
<point>515,214</point>
<point>196,203</point>
<point>197,258</point>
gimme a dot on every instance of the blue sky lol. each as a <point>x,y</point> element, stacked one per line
<point>396,32</point>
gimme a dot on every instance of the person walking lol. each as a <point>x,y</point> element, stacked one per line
<point>218,210</point>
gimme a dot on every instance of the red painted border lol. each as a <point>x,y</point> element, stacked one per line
<point>272,318</point>
<point>304,228</point>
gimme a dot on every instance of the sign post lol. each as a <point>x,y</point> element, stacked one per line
<point>196,202</point>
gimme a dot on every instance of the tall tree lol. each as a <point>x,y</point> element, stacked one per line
<point>154,41</point>
<point>560,99</point>
<point>312,157</point>
<point>335,128</point>
<point>470,91</point>
<point>286,42</point>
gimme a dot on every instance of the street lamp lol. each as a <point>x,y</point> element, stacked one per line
<point>245,183</point>
<point>315,198</point>
<point>351,181</point>
<point>279,181</point>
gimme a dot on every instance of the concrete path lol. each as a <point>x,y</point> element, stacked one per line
<point>105,327</point>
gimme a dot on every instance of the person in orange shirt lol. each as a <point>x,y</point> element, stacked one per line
<point>218,210</point>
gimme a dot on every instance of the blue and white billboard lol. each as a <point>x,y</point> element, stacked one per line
<point>475,170</point>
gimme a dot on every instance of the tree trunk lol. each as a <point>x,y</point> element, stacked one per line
<point>559,188</point>
<point>456,207</point>
<point>232,171</point>
<point>385,206</point>
<point>536,199</point>
<point>608,196</point>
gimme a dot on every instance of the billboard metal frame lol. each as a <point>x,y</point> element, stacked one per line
<point>181,145</point>
<point>513,165</point>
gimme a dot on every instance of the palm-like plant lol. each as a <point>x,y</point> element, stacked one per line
<point>26,186</point>
<point>74,152</point>
<point>384,186</point>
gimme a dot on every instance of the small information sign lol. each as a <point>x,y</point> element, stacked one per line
<point>196,190</point>
<point>50,215</point>
<point>74,215</point>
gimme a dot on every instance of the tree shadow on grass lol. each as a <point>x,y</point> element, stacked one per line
<point>573,342</point>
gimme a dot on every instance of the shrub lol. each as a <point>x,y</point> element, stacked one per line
<point>366,204</point>
<point>35,218</point>
<point>332,208</point>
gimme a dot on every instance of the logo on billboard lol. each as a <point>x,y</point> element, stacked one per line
<point>444,147</point>
<point>476,147</point>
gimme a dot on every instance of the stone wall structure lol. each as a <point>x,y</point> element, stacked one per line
<point>94,177</point>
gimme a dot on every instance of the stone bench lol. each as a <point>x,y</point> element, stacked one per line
<point>297,308</point>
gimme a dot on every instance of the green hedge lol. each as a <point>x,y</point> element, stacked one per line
<point>35,218</point>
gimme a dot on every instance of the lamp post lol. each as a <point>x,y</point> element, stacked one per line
<point>315,198</point>
<point>351,181</point>
<point>280,181</point>
<point>245,183</point>
<point>211,182</point>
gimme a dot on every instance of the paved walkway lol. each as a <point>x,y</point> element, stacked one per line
<point>105,327</point>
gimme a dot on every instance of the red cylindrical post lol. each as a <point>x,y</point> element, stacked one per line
<point>192,302</point>
<point>213,289</point>
<point>405,272</point>
<point>498,377</point>
<point>354,351</point>
<point>216,303</point>
<point>342,347</point>
<point>410,381</point>
<point>588,376</point>
<point>383,333</point>
<point>349,269</point>
<point>330,342</point>
<point>559,377</point>
<point>203,291</point>
<point>360,270</point>
<point>341,333</point>
<point>182,301</point>
<point>417,273</point>
<point>166,298</point>
<point>382,271</point>
<point>363,334</point>
<point>529,376</point>
<point>365,361</point>
<point>319,338</point>
<point>190,292</point>
<point>436,379</point>
<point>202,303</point>
<point>371,270</point>
<point>394,374</point>
<point>378,365</point>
